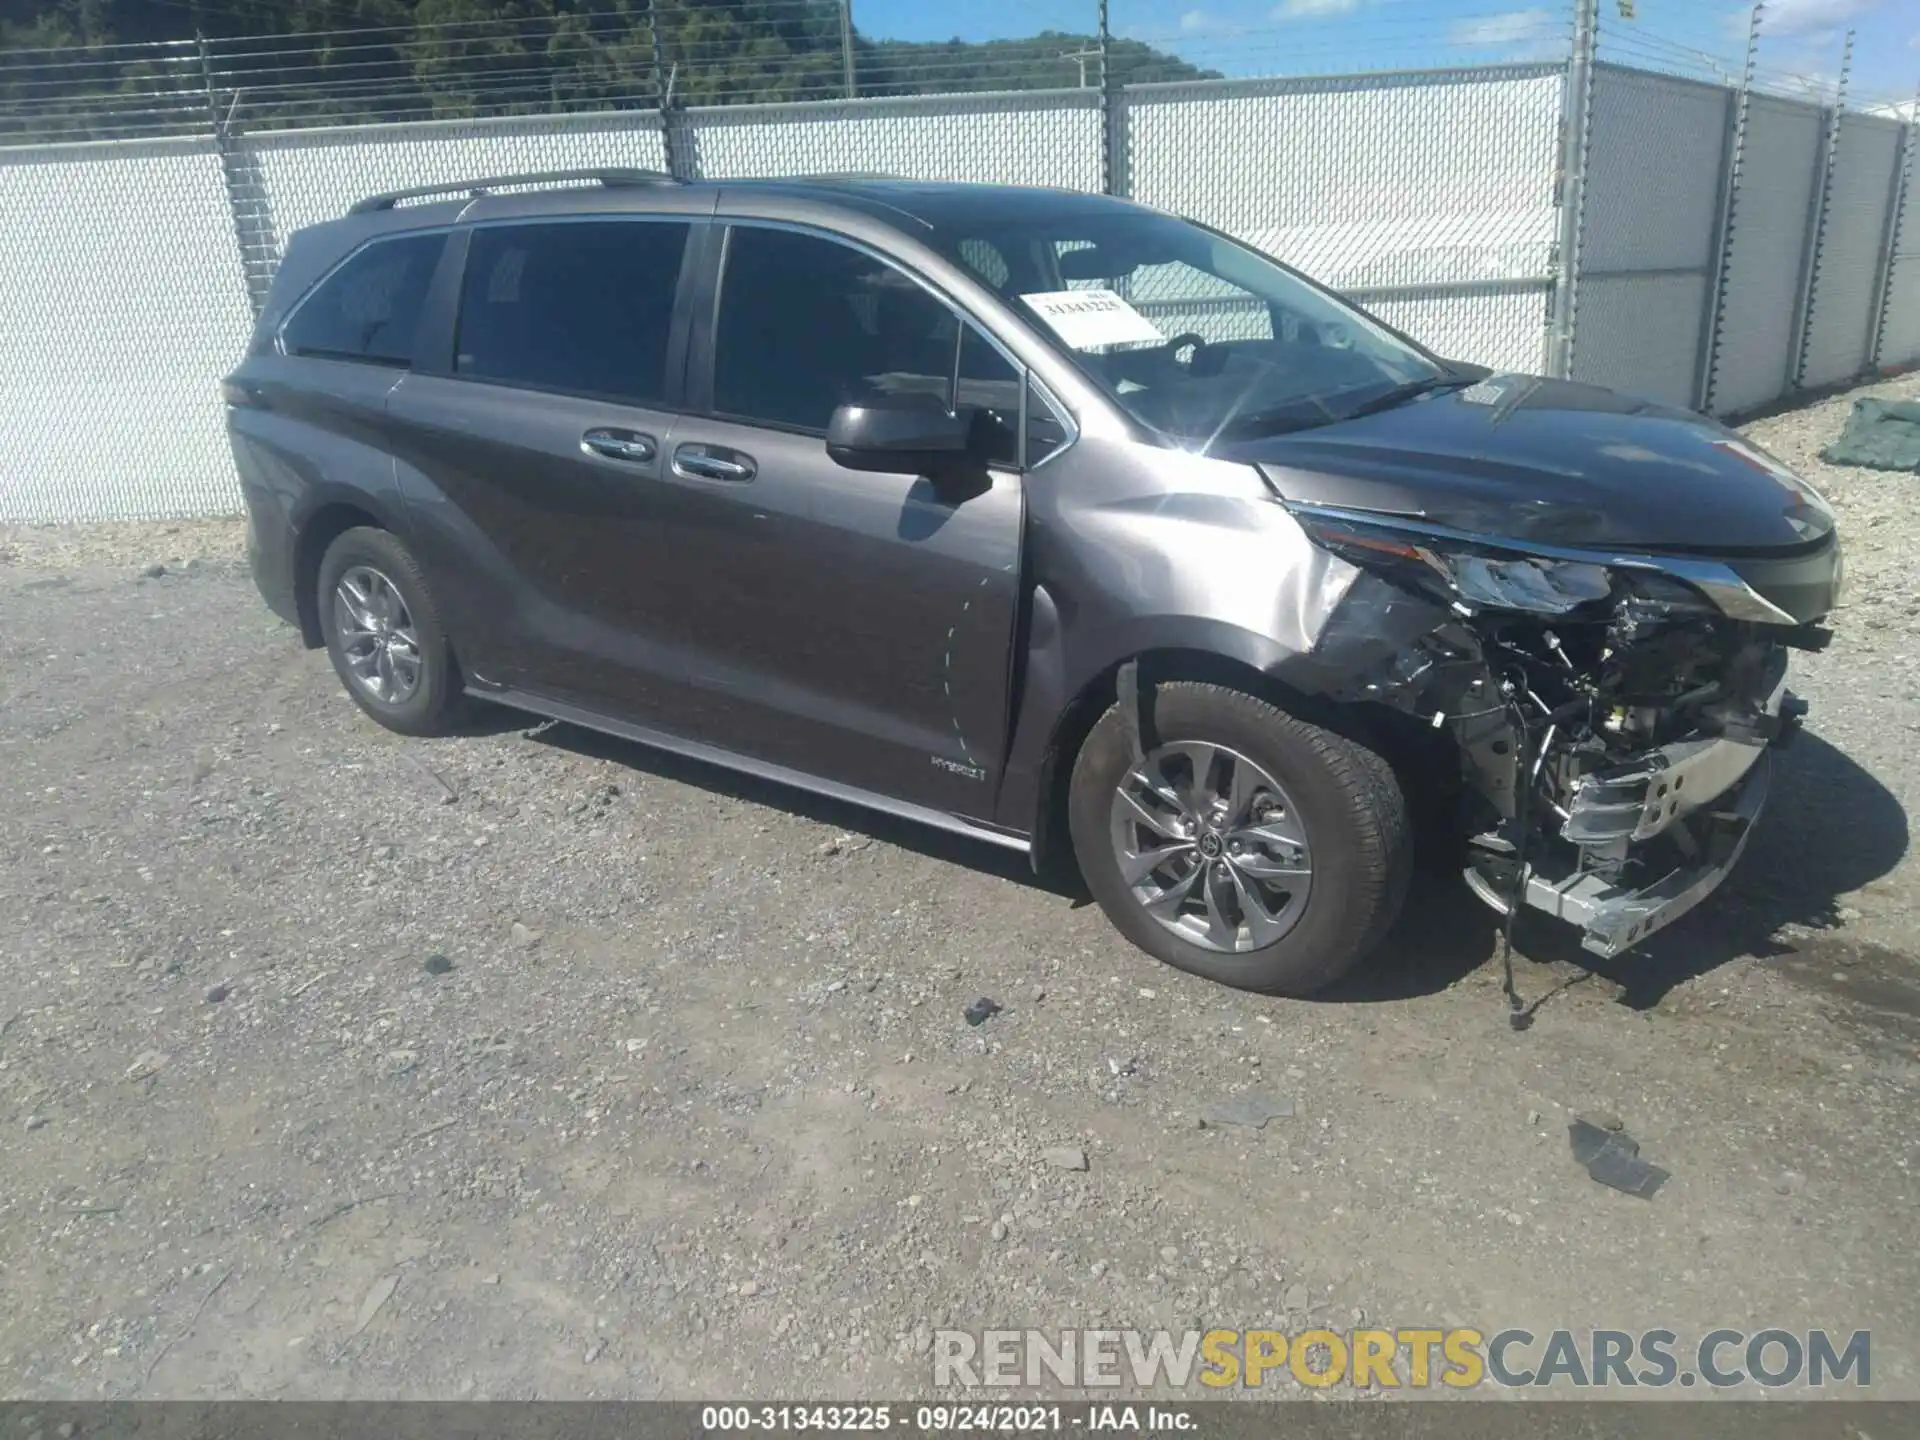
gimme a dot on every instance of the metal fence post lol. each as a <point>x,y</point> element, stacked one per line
<point>681,163</point>
<point>1817,223</point>
<point>1895,236</point>
<point>1110,116</point>
<point>846,45</point>
<point>1576,112</point>
<point>248,204</point>
<point>1729,217</point>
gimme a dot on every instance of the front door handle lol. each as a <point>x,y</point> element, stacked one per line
<point>712,462</point>
<point>614,444</point>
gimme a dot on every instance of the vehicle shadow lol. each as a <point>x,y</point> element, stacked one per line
<point>979,855</point>
<point>1829,828</point>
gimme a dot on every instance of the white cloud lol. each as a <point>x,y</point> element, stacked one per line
<point>1205,22</point>
<point>1515,27</point>
<point>1799,17</point>
<point>1311,9</point>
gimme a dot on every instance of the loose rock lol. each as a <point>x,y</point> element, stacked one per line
<point>982,1010</point>
<point>1065,1157</point>
<point>437,965</point>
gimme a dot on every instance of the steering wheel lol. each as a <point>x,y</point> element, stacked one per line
<point>1187,339</point>
<point>1206,359</point>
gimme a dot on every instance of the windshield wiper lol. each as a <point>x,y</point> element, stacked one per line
<point>1400,394</point>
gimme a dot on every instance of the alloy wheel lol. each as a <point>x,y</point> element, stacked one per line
<point>377,635</point>
<point>1211,846</point>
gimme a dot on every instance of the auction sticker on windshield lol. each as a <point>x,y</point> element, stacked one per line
<point>1086,318</point>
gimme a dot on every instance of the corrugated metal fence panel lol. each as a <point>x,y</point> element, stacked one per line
<point>1900,342</point>
<point>1655,150</point>
<point>1840,315</point>
<point>1653,172</point>
<point>122,307</point>
<point>1765,254</point>
<point>1371,182</point>
<point>1032,138</point>
<point>1640,334</point>
<point>314,175</point>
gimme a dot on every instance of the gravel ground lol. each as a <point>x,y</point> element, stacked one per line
<point>532,1064</point>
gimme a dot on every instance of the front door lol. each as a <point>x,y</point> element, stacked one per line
<point>852,625</point>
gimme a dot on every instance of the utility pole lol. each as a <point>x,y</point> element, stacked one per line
<point>1082,56</point>
<point>846,43</point>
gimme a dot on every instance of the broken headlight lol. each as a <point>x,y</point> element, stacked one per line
<point>1480,576</point>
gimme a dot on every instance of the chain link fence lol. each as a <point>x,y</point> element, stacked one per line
<point>1727,246</point>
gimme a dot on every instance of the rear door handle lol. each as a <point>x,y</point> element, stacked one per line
<point>616,444</point>
<point>713,462</point>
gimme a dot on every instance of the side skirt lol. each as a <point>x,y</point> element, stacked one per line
<point>760,769</point>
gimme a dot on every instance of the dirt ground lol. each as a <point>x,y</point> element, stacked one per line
<point>533,1064</point>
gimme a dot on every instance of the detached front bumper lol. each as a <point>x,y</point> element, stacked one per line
<point>1617,919</point>
<point>1679,816</point>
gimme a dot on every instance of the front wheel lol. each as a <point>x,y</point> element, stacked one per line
<point>1246,845</point>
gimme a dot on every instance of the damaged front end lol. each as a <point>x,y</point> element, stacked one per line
<point>1615,714</point>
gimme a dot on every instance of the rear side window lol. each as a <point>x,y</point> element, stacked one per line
<point>580,306</point>
<point>369,308</point>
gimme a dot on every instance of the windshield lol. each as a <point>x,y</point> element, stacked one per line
<point>1197,336</point>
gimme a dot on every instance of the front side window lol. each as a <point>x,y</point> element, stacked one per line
<point>579,306</point>
<point>1195,335</point>
<point>369,308</point>
<point>807,324</point>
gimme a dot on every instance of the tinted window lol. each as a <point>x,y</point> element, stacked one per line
<point>369,308</point>
<point>582,306</point>
<point>1046,432</point>
<point>808,324</point>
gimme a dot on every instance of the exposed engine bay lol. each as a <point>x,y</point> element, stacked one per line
<point>1615,723</point>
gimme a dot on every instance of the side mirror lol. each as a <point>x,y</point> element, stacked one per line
<point>901,437</point>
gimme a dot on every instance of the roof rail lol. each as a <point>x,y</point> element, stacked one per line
<point>604,175</point>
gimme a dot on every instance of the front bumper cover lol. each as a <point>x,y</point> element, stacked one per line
<point>1712,788</point>
<point>1616,919</point>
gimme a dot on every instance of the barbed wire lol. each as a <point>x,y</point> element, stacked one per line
<point>638,54</point>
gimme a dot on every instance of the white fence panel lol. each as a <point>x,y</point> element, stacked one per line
<point>314,175</point>
<point>1840,314</point>
<point>1030,138</point>
<point>1753,362</point>
<point>1374,182</point>
<point>1655,154</point>
<point>1900,335</point>
<point>122,307</point>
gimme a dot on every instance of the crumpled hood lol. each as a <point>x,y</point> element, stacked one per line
<point>1552,462</point>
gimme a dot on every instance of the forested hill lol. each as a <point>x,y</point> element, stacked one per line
<point>292,60</point>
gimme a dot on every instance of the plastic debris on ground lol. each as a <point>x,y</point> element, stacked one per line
<point>1612,1158</point>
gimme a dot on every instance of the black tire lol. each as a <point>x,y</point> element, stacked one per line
<point>1345,794</point>
<point>435,702</point>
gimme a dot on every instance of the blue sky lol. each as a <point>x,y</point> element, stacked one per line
<point>1250,37</point>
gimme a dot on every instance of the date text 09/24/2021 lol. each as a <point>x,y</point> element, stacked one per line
<point>948,1418</point>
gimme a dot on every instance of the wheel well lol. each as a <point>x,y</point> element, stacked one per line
<point>1425,762</point>
<point>323,527</point>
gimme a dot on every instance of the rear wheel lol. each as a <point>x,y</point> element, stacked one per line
<point>1246,845</point>
<point>384,635</point>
